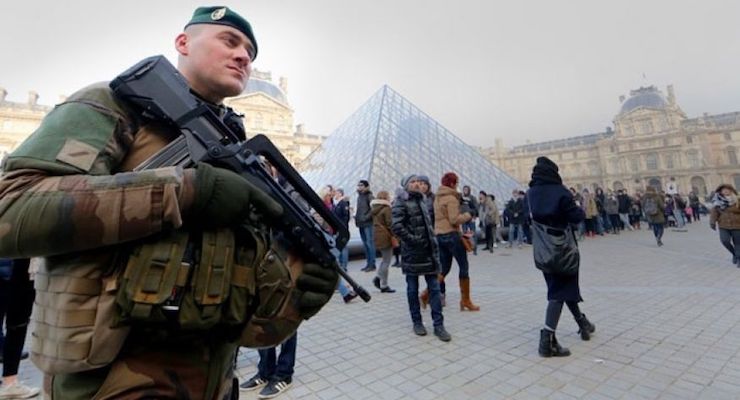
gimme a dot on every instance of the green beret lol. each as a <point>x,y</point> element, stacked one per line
<point>224,16</point>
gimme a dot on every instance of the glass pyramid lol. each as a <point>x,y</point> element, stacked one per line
<point>388,138</point>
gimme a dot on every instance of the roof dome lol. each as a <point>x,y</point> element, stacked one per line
<point>644,97</point>
<point>258,85</point>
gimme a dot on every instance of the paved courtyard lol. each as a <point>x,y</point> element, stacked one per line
<point>667,327</point>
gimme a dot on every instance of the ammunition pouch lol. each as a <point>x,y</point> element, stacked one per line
<point>195,283</point>
<point>74,312</point>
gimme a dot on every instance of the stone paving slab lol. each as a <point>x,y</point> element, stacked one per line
<point>667,327</point>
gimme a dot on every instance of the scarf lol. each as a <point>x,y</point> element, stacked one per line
<point>723,202</point>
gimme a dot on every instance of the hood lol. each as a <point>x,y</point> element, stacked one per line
<point>380,202</point>
<point>545,172</point>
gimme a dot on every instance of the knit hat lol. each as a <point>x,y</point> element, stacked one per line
<point>449,179</point>
<point>424,179</point>
<point>405,180</point>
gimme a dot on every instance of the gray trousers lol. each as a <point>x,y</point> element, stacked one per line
<point>730,238</point>
<point>387,254</point>
<point>626,221</point>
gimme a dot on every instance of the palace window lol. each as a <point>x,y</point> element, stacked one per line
<point>731,156</point>
<point>614,166</point>
<point>646,126</point>
<point>613,149</point>
<point>692,156</point>
<point>634,164</point>
<point>728,136</point>
<point>669,160</point>
<point>689,139</point>
<point>651,161</point>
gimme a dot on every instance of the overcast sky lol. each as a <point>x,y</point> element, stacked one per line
<point>518,70</point>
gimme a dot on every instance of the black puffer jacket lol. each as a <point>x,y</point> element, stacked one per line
<point>412,225</point>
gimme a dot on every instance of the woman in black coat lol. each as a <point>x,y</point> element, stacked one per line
<point>553,205</point>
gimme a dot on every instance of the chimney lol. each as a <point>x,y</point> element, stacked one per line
<point>33,98</point>
<point>671,95</point>
<point>284,84</point>
<point>299,130</point>
<point>621,98</point>
<point>3,93</point>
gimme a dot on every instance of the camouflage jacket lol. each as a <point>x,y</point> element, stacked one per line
<point>66,189</point>
<point>68,194</point>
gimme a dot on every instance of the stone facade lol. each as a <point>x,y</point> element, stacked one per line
<point>652,143</point>
<point>264,105</point>
<point>266,111</point>
<point>18,120</point>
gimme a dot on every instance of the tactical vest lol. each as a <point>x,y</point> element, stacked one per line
<point>86,303</point>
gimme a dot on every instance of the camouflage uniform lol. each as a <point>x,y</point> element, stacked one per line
<point>67,194</point>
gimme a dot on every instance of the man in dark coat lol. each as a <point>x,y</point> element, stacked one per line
<point>553,205</point>
<point>515,210</point>
<point>624,208</point>
<point>341,210</point>
<point>364,221</point>
<point>419,254</point>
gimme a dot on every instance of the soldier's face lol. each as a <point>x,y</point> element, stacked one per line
<point>215,59</point>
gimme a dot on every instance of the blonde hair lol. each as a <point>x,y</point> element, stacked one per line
<point>324,191</point>
<point>383,195</point>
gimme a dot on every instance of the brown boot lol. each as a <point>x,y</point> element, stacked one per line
<point>465,302</point>
<point>424,298</point>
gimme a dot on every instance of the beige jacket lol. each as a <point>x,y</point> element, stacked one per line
<point>447,217</point>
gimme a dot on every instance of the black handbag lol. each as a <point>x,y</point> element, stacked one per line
<point>555,249</point>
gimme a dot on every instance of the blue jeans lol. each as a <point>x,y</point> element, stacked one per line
<point>658,230</point>
<point>412,294</point>
<point>343,258</point>
<point>519,236</point>
<point>678,214</point>
<point>269,369</point>
<point>606,223</point>
<point>366,234</point>
<point>599,224</point>
<point>450,245</point>
<point>341,284</point>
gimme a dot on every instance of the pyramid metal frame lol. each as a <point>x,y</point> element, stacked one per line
<point>387,138</point>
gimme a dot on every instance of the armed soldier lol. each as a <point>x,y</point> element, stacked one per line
<point>151,280</point>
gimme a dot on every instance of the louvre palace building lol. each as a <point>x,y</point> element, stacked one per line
<point>264,105</point>
<point>653,143</point>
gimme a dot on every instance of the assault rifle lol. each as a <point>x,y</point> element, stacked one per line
<point>156,89</point>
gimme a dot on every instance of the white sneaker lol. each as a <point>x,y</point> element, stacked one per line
<point>18,391</point>
<point>495,246</point>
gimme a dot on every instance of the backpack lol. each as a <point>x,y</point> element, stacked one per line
<point>651,206</point>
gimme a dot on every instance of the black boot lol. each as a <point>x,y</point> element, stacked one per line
<point>549,346</point>
<point>585,327</point>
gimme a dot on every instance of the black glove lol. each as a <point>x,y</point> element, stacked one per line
<point>713,226</point>
<point>223,198</point>
<point>317,284</point>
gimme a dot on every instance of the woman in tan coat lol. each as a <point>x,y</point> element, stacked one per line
<point>447,220</point>
<point>726,214</point>
<point>380,209</point>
